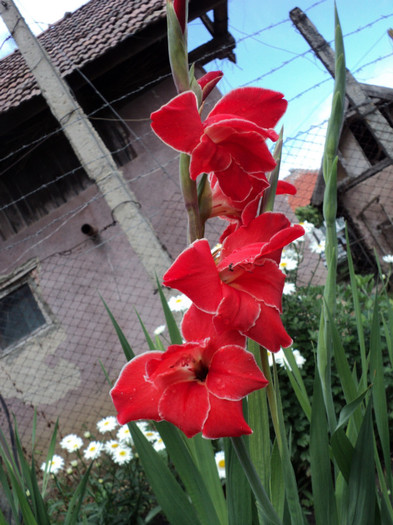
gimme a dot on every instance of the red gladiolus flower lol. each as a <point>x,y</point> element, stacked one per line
<point>231,141</point>
<point>196,386</point>
<point>242,286</point>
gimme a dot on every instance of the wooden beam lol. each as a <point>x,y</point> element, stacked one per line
<point>361,102</point>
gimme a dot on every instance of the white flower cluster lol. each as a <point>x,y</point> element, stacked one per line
<point>281,359</point>
<point>119,446</point>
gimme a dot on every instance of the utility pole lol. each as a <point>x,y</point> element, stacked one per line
<point>364,106</point>
<point>90,150</point>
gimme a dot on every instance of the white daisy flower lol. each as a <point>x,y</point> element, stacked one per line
<point>94,450</point>
<point>158,444</point>
<point>107,424</point>
<point>151,435</point>
<point>300,360</point>
<point>124,435</point>
<point>179,303</point>
<point>289,261</point>
<point>122,455</point>
<point>289,288</point>
<point>281,359</point>
<point>388,258</point>
<point>54,465</point>
<point>143,426</point>
<point>318,246</point>
<point>111,446</point>
<point>308,226</point>
<point>160,329</point>
<point>71,443</point>
<point>220,462</point>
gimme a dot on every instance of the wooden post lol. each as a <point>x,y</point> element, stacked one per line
<point>363,105</point>
<point>92,153</point>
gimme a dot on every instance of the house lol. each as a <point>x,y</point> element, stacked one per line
<point>365,159</point>
<point>61,247</point>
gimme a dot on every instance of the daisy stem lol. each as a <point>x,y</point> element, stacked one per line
<point>190,196</point>
<point>264,505</point>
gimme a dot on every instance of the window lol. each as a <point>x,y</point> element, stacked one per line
<point>20,315</point>
<point>21,312</point>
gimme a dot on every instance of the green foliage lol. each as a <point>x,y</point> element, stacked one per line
<point>310,214</point>
<point>301,320</point>
<point>114,494</point>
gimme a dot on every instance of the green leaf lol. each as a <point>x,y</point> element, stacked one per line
<point>361,493</point>
<point>75,504</point>
<point>291,490</point>
<point>277,483</point>
<point>128,352</point>
<point>238,492</point>
<point>321,477</point>
<point>149,341</point>
<point>190,475</point>
<point>170,496</point>
<point>358,312</point>
<point>378,391</point>
<point>2,519</point>
<point>343,451</point>
<point>344,372</point>
<point>49,456</point>
<point>266,511</point>
<point>269,194</point>
<point>297,383</point>
<point>258,419</point>
<point>203,453</point>
<point>174,332</point>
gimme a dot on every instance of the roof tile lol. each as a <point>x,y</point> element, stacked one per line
<point>76,40</point>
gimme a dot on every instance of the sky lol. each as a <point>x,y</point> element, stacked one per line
<point>272,54</point>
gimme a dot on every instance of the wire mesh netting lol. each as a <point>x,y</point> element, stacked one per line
<point>62,248</point>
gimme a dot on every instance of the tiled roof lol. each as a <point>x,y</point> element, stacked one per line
<point>77,39</point>
<point>304,180</point>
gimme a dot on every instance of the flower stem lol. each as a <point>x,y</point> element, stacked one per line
<point>264,505</point>
<point>190,196</point>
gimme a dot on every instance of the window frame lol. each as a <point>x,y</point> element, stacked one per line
<point>10,283</point>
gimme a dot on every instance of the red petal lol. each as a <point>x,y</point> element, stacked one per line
<point>207,157</point>
<point>178,123</point>
<point>172,367</point>
<point>186,405</point>
<point>262,106</point>
<point>269,331</point>
<point>225,419</point>
<point>180,10</point>
<point>285,188</point>
<point>195,274</point>
<point>282,238</point>
<point>134,397</point>
<point>234,373</point>
<point>198,325</point>
<point>264,281</point>
<point>249,150</point>
<point>261,229</point>
<point>209,82</point>
<point>237,310</point>
<point>220,129</point>
<point>234,182</point>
